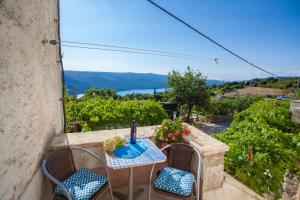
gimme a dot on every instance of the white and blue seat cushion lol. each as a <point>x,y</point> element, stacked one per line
<point>175,181</point>
<point>82,185</point>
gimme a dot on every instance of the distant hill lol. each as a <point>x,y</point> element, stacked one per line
<point>79,81</point>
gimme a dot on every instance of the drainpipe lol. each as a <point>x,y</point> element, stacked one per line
<point>61,64</point>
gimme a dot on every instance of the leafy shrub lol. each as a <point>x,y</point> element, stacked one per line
<point>263,144</point>
<point>171,132</point>
<point>98,113</point>
<point>297,94</point>
<point>228,106</point>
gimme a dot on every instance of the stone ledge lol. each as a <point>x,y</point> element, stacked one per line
<point>202,141</point>
<point>94,137</point>
<point>206,144</point>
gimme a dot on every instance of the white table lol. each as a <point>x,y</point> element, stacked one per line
<point>150,157</point>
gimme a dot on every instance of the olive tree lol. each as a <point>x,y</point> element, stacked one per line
<point>188,88</point>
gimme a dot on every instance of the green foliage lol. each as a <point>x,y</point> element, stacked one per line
<point>109,93</point>
<point>298,93</point>
<point>228,106</point>
<point>227,87</point>
<point>188,88</point>
<point>263,143</point>
<point>163,96</point>
<point>170,132</point>
<point>104,93</point>
<point>137,96</point>
<point>271,82</point>
<point>99,113</point>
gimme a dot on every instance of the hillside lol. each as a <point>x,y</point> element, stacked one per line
<point>78,82</point>
<point>256,91</point>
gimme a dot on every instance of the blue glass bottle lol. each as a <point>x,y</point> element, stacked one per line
<point>133,132</point>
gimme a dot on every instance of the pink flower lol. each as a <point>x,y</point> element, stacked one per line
<point>183,135</point>
<point>173,138</point>
<point>176,133</point>
<point>166,139</point>
<point>161,138</point>
<point>188,130</point>
<point>170,135</point>
<point>164,144</point>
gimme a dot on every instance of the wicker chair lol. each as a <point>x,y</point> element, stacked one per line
<point>179,159</point>
<point>59,166</point>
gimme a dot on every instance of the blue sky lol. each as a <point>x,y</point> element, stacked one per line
<point>266,32</point>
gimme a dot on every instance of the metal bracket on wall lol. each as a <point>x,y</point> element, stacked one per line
<point>53,42</point>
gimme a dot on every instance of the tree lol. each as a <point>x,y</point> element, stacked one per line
<point>188,89</point>
<point>104,93</point>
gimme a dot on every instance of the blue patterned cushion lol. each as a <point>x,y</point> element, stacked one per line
<point>175,181</point>
<point>82,185</point>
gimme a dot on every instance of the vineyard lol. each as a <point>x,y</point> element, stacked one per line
<point>100,113</point>
<point>264,144</point>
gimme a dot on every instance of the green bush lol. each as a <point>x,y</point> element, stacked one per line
<point>98,113</point>
<point>103,93</point>
<point>297,93</point>
<point>263,143</point>
<point>228,106</point>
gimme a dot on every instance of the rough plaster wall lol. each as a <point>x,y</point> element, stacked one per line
<point>30,110</point>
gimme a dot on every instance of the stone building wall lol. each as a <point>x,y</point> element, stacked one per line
<point>295,108</point>
<point>30,91</point>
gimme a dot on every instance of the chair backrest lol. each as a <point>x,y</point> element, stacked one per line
<point>60,163</point>
<point>180,156</point>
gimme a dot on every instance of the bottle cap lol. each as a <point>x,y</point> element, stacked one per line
<point>133,123</point>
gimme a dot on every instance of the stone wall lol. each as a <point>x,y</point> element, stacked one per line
<point>30,90</point>
<point>295,108</point>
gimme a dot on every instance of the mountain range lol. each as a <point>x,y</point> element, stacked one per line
<point>78,82</point>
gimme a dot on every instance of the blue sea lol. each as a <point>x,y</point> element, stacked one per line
<point>145,91</point>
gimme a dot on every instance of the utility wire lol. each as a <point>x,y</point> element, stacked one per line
<point>128,51</point>
<point>210,39</point>
<point>136,49</point>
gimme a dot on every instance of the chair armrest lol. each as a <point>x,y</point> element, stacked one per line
<point>54,180</point>
<point>163,149</point>
<point>166,147</point>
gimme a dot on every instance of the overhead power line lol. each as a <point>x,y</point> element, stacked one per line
<point>210,39</point>
<point>136,49</point>
<point>129,51</point>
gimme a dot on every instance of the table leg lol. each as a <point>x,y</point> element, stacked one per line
<point>130,197</point>
<point>150,182</point>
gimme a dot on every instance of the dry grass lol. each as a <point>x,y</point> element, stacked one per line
<point>257,91</point>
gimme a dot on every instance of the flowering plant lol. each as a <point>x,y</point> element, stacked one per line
<point>113,143</point>
<point>171,132</point>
